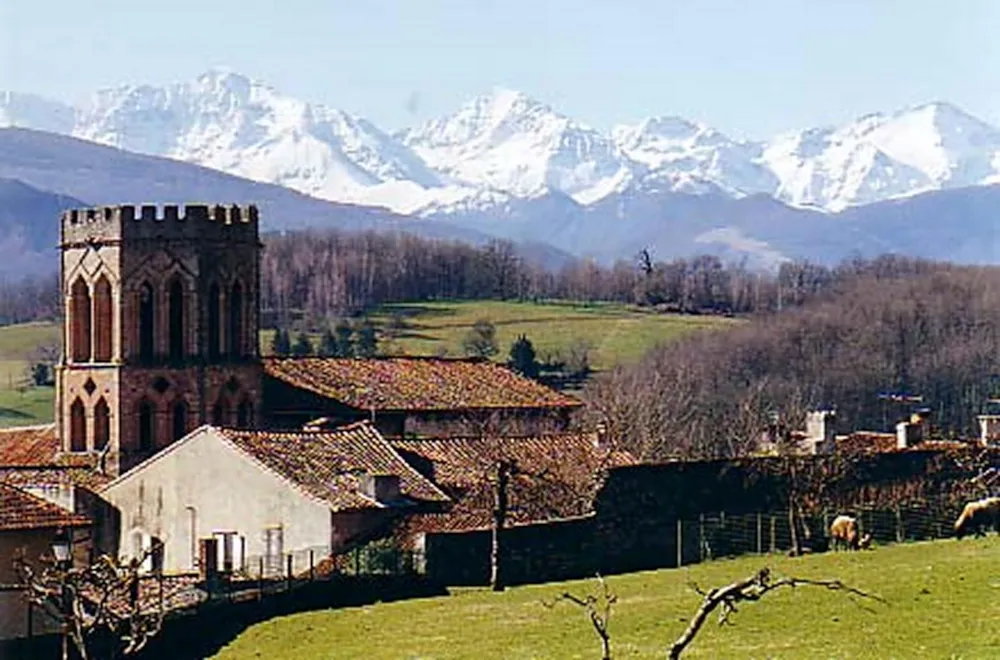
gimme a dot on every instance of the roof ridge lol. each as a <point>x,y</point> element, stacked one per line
<point>28,427</point>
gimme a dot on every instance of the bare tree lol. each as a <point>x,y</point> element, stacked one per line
<point>95,601</point>
<point>598,608</point>
<point>748,590</point>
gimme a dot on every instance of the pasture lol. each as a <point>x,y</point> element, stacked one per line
<point>943,602</point>
<point>614,333</point>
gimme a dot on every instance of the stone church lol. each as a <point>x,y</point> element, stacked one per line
<point>171,427</point>
<point>161,336</point>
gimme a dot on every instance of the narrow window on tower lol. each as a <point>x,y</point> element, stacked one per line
<point>180,415</point>
<point>244,414</point>
<point>147,304</point>
<point>80,321</point>
<point>236,321</point>
<point>102,320</point>
<point>102,424</point>
<point>147,426</point>
<point>176,315</point>
<point>214,313</point>
<point>77,427</point>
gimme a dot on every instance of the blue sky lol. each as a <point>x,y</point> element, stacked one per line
<point>750,68</point>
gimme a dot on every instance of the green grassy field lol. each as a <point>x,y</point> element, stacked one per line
<point>943,602</point>
<point>18,405</point>
<point>616,333</point>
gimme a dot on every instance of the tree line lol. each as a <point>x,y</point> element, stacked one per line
<point>930,337</point>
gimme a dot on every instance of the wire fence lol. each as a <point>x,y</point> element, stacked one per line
<point>716,535</point>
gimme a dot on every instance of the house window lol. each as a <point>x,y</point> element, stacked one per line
<point>147,427</point>
<point>156,554</point>
<point>236,321</point>
<point>180,416</point>
<point>80,321</point>
<point>102,424</point>
<point>147,302</point>
<point>214,337</point>
<point>273,550</point>
<point>77,427</point>
<point>102,320</point>
<point>176,333</point>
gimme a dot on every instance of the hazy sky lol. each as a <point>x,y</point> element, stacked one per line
<point>748,67</point>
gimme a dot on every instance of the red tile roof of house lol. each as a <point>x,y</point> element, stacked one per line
<point>557,477</point>
<point>325,463</point>
<point>22,510</point>
<point>415,383</point>
<point>37,446</point>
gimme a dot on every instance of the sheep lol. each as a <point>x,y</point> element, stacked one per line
<point>844,532</point>
<point>977,516</point>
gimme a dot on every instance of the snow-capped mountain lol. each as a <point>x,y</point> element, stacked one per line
<point>504,149</point>
<point>510,142</point>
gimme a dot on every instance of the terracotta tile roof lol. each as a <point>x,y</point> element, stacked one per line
<point>29,445</point>
<point>866,442</point>
<point>558,477</point>
<point>325,463</point>
<point>413,383</point>
<point>53,475</point>
<point>21,510</point>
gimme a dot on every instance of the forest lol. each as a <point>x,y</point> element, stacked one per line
<point>841,336</point>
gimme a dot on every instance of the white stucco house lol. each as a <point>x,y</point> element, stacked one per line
<point>263,495</point>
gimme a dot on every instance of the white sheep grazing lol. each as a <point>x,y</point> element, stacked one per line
<point>977,516</point>
<point>844,532</point>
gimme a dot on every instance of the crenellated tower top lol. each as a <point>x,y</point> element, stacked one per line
<point>203,222</point>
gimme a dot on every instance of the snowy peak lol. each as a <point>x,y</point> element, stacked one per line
<point>508,141</point>
<point>506,145</point>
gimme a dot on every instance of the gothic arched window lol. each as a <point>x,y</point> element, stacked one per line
<point>80,321</point>
<point>214,322</point>
<point>102,424</point>
<point>236,321</point>
<point>147,305</point>
<point>147,426</point>
<point>102,320</point>
<point>175,312</point>
<point>179,417</point>
<point>77,427</point>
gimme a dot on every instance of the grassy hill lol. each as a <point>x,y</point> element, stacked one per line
<point>942,603</point>
<point>613,332</point>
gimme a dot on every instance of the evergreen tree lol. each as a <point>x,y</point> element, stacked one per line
<point>281,343</point>
<point>303,346</point>
<point>328,344</point>
<point>523,359</point>
<point>366,345</point>
<point>344,334</point>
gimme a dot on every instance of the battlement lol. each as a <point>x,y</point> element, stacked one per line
<point>148,221</point>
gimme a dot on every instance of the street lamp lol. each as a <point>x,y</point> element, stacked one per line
<point>62,548</point>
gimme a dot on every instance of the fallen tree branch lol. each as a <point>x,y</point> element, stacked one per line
<point>598,609</point>
<point>750,589</point>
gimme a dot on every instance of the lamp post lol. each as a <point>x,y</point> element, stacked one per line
<point>62,550</point>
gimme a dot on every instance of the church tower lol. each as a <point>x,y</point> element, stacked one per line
<point>160,332</point>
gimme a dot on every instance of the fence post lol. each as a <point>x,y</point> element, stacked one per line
<point>680,546</point>
<point>288,572</point>
<point>701,536</point>
<point>260,580</point>
<point>900,532</point>
<point>312,567</point>
<point>760,534</point>
<point>773,539</point>
<point>357,560</point>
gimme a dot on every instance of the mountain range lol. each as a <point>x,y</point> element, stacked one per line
<point>508,165</point>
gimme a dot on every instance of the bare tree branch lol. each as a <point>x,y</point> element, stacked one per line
<point>750,589</point>
<point>598,609</point>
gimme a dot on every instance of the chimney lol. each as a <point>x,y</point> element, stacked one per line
<point>821,430</point>
<point>989,429</point>
<point>379,487</point>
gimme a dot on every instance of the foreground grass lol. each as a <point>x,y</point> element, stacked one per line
<point>943,603</point>
<point>616,333</point>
